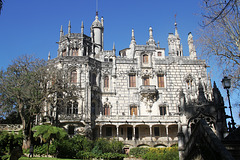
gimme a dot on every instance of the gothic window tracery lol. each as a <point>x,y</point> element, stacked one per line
<point>72,108</point>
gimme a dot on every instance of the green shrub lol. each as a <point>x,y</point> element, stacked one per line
<point>85,155</point>
<point>170,153</point>
<point>42,149</point>
<point>6,157</point>
<point>9,140</point>
<point>138,152</point>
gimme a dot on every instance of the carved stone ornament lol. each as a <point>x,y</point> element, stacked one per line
<point>149,95</point>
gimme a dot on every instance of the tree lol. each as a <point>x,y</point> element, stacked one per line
<point>58,91</point>
<point>1,4</point>
<point>219,9</point>
<point>48,133</point>
<point>21,90</point>
<point>219,37</point>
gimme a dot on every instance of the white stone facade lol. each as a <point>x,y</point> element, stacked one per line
<point>134,97</point>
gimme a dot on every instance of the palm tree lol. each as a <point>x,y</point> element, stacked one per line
<point>48,133</point>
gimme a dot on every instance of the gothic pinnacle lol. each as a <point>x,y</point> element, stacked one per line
<point>69,27</point>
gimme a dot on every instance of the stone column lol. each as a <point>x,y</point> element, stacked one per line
<point>150,127</point>
<point>117,132</point>
<point>167,134</point>
<point>134,129</point>
<point>100,130</point>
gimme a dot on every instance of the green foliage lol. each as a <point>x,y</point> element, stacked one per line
<point>138,152</point>
<point>70,147</point>
<point>170,153</point>
<point>48,132</point>
<point>6,157</point>
<point>85,155</point>
<point>42,149</point>
<point>104,146</point>
<point>9,140</point>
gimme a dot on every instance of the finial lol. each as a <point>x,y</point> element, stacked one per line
<point>114,49</point>
<point>82,28</point>
<point>49,56</point>
<point>96,8</point>
<point>69,27</point>
<point>133,37</point>
<point>61,32</point>
<point>175,24</point>
<point>151,40</point>
<point>158,44</point>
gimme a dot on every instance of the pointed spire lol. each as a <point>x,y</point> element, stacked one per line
<point>151,40</point>
<point>133,37</point>
<point>175,24</point>
<point>49,56</point>
<point>114,49</point>
<point>102,21</point>
<point>69,27</point>
<point>82,28</point>
<point>61,31</point>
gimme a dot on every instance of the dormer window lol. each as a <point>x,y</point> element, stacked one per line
<point>145,58</point>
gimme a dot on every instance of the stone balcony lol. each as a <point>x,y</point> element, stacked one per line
<point>150,89</point>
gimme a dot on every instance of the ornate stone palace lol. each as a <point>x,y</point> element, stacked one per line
<point>143,97</point>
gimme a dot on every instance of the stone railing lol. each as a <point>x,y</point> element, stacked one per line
<point>10,127</point>
<point>165,118</point>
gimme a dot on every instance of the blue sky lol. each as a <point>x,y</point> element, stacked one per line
<point>32,26</point>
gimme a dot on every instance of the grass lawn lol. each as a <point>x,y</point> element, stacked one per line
<point>43,158</point>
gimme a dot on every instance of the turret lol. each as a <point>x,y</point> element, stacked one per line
<point>97,34</point>
<point>174,44</point>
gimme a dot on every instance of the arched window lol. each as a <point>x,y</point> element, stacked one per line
<point>73,76</point>
<point>75,107</point>
<point>69,108</point>
<point>145,58</point>
<point>106,82</point>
